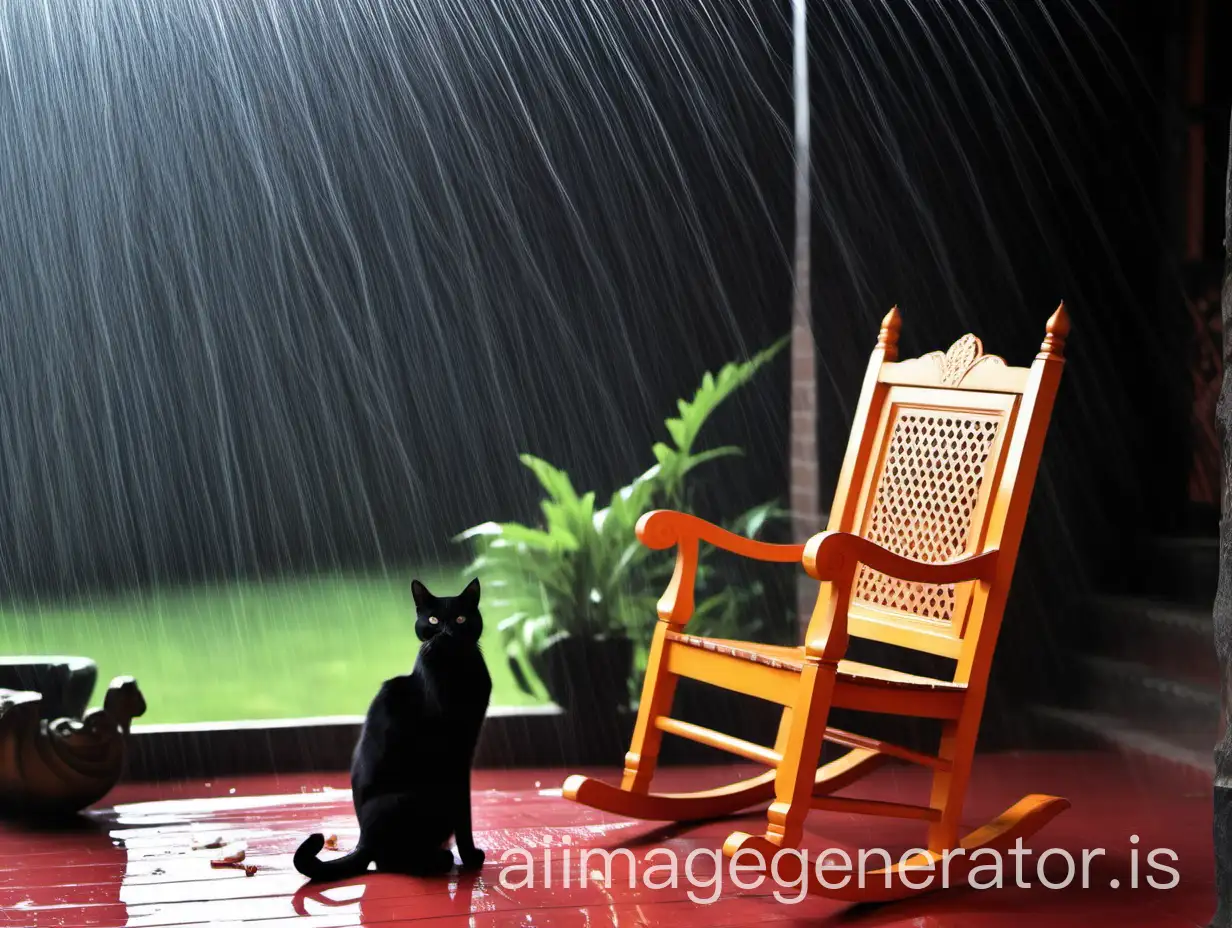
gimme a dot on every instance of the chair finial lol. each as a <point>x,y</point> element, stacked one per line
<point>1057,331</point>
<point>887,338</point>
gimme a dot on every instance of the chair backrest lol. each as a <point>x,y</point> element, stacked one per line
<point>941,463</point>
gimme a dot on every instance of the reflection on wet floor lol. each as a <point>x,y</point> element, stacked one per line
<point>147,860</point>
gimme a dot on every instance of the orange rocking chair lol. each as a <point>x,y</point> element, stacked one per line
<point>919,553</point>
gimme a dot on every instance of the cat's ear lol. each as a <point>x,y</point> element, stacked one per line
<point>422,597</point>
<point>471,593</point>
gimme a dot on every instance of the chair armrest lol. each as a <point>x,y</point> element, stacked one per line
<point>664,528</point>
<point>834,556</point>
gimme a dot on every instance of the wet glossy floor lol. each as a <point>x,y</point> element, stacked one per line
<point>135,864</point>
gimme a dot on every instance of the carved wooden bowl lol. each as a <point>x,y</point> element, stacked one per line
<point>56,768</point>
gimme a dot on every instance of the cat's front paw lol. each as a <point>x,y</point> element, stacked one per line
<point>472,859</point>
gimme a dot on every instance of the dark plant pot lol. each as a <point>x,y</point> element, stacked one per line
<point>65,683</point>
<point>589,676</point>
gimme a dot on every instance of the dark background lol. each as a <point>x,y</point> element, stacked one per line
<point>976,174</point>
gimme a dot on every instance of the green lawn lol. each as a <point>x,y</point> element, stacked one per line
<point>268,650</point>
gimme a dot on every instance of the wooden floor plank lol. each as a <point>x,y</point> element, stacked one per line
<point>133,864</point>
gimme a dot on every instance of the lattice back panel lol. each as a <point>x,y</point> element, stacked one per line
<point>924,501</point>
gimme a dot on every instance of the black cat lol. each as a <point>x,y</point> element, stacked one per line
<point>411,771</point>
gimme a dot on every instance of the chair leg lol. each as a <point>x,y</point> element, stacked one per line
<point>719,801</point>
<point>794,782</point>
<point>949,789</point>
<point>780,740</point>
<point>658,691</point>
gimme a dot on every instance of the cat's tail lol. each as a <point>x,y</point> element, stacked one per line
<point>340,868</point>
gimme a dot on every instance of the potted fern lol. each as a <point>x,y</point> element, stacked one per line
<point>579,591</point>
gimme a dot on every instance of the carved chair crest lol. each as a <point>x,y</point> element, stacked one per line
<point>958,361</point>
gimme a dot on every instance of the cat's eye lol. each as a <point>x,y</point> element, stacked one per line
<point>433,620</point>
<point>461,619</point>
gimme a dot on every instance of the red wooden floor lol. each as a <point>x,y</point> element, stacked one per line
<point>134,864</point>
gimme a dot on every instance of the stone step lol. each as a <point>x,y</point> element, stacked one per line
<point>1189,748</point>
<point>1143,697</point>
<point>1173,640</point>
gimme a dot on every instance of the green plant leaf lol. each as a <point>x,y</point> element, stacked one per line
<point>534,629</point>
<point>628,557</point>
<point>678,430</point>
<point>583,572</point>
<point>750,523</point>
<point>523,535</point>
<point>713,454</point>
<point>512,622</point>
<point>552,479</point>
<point>694,412</point>
<point>618,520</point>
<point>586,508</point>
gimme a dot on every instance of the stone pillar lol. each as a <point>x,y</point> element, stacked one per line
<point>804,479</point>
<point>1222,618</point>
